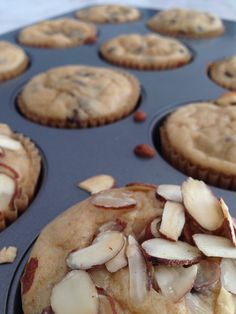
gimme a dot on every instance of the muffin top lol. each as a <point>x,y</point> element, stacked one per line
<point>149,51</point>
<point>109,14</point>
<point>223,72</point>
<point>58,33</point>
<point>205,134</point>
<point>131,254</point>
<point>186,22</point>
<point>79,95</point>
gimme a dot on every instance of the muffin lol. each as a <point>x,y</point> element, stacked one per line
<point>227,99</point>
<point>186,22</point>
<point>200,140</point>
<point>13,60</point>
<point>20,165</point>
<point>130,257</point>
<point>223,72</point>
<point>79,96</point>
<point>108,14</point>
<point>59,33</point>
<point>145,52</point>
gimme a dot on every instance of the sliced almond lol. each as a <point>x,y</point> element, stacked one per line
<point>173,219</point>
<point>106,303</point>
<point>228,274</point>
<point>175,282</point>
<point>8,143</point>
<point>114,199</point>
<point>228,226</point>
<point>98,253</point>
<point>119,261</point>
<point>199,303</point>
<point>170,192</point>
<point>171,253</point>
<point>152,229</point>
<point>224,303</point>
<point>8,171</point>
<point>7,191</point>
<point>138,186</point>
<point>208,274</point>
<point>137,272</point>
<point>202,205</point>
<point>114,225</point>
<point>8,254</point>
<point>76,293</point>
<point>97,183</point>
<point>214,246</point>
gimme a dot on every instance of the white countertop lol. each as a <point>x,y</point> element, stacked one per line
<point>18,13</point>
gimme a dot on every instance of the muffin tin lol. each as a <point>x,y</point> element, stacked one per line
<point>69,156</point>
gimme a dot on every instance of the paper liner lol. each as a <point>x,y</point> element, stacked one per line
<point>15,72</point>
<point>176,159</point>
<point>141,64</point>
<point>65,123</point>
<point>151,24</point>
<point>26,188</point>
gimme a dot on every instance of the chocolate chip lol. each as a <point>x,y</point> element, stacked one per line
<point>182,32</point>
<point>228,74</point>
<point>173,21</point>
<point>111,49</point>
<point>200,29</point>
<point>228,139</point>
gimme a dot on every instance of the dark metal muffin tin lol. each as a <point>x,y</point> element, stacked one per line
<point>69,156</point>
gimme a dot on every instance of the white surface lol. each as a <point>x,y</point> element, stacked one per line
<point>17,13</point>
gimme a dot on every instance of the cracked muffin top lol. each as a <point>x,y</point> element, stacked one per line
<point>186,22</point>
<point>79,96</point>
<point>58,33</point>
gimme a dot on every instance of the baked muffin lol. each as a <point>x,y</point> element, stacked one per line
<point>223,72</point>
<point>186,22</point>
<point>145,52</point>
<point>20,165</point>
<point>79,96</point>
<point>13,60</point>
<point>59,33</point>
<point>130,257</point>
<point>200,140</point>
<point>108,14</point>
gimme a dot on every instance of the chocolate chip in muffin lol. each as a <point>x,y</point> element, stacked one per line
<point>228,74</point>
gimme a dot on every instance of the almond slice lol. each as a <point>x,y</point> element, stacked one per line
<point>97,183</point>
<point>224,303</point>
<point>98,253</point>
<point>8,254</point>
<point>119,261</point>
<point>170,192</point>
<point>76,293</point>
<point>114,199</point>
<point>138,186</point>
<point>228,274</point>
<point>199,303</point>
<point>137,271</point>
<point>114,225</point>
<point>208,274</point>
<point>175,282</point>
<point>214,246</point>
<point>228,226</point>
<point>202,205</point>
<point>8,143</point>
<point>106,303</point>
<point>152,229</point>
<point>171,253</point>
<point>7,191</point>
<point>173,220</point>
